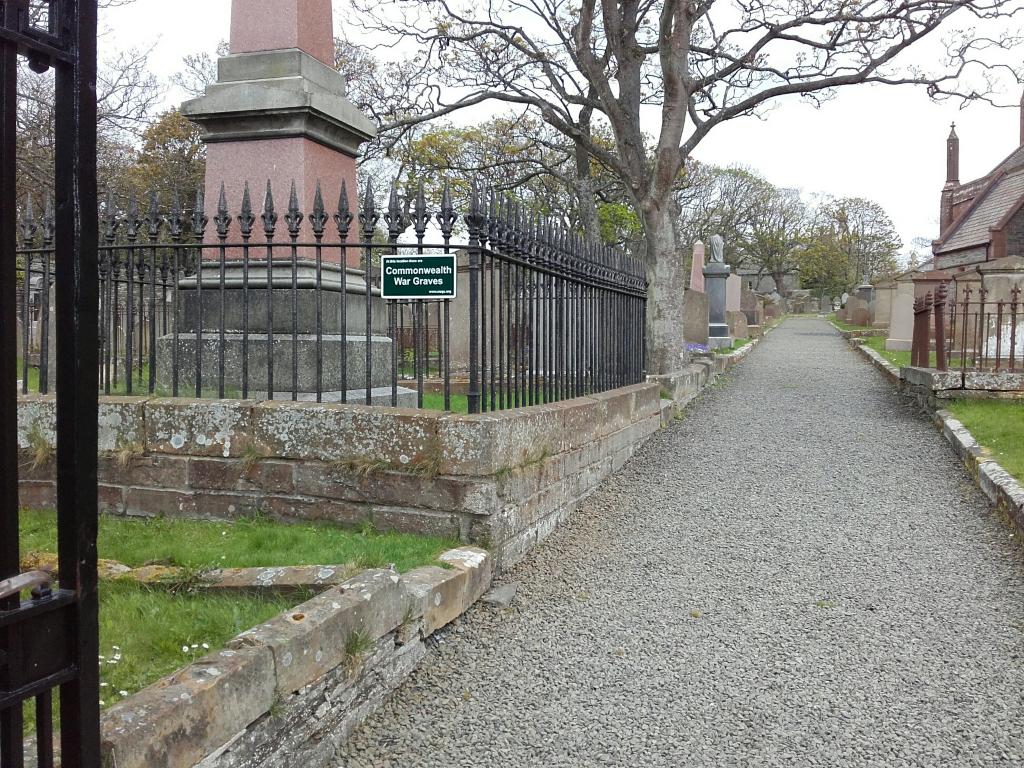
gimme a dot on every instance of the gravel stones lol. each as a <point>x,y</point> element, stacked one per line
<point>799,573</point>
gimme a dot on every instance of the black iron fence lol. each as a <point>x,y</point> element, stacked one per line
<point>248,303</point>
<point>967,327</point>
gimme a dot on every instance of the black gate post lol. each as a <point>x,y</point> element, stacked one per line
<point>53,640</point>
<point>77,294</point>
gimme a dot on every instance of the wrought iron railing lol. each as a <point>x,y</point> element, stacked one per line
<point>969,329</point>
<point>250,304</point>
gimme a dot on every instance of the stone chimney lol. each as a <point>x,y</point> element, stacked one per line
<point>952,179</point>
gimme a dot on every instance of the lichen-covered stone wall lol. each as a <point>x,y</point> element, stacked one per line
<point>503,480</point>
<point>290,691</point>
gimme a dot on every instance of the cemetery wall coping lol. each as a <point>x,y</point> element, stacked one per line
<point>1001,488</point>
<point>889,370</point>
<point>227,700</point>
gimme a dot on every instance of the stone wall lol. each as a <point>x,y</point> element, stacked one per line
<point>930,388</point>
<point>503,480</point>
<point>290,691</point>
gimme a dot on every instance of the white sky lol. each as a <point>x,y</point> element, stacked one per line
<point>887,144</point>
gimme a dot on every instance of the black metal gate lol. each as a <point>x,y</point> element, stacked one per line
<point>49,639</point>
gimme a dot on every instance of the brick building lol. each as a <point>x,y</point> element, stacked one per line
<point>981,220</point>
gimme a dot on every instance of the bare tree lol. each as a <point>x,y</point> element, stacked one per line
<point>126,94</point>
<point>689,64</point>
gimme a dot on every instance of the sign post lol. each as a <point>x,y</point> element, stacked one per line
<point>418,277</point>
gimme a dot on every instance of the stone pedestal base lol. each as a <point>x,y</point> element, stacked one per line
<point>257,353</point>
<point>718,336</point>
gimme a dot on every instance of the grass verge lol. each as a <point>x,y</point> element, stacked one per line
<point>737,344</point>
<point>198,544</point>
<point>147,633</point>
<point>999,426</point>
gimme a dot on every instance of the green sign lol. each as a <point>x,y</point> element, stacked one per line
<point>417,277</point>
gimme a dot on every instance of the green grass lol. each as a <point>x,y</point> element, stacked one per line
<point>736,345</point>
<point>434,401</point>
<point>146,634</point>
<point>140,385</point>
<point>999,426</point>
<point>156,631</point>
<point>846,326</point>
<point>197,544</point>
<point>900,359</point>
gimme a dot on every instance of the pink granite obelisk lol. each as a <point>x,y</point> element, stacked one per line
<point>697,268</point>
<point>274,25</point>
<point>278,113</point>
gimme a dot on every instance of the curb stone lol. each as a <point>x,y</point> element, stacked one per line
<point>998,485</point>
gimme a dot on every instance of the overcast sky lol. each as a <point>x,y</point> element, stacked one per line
<point>887,144</point>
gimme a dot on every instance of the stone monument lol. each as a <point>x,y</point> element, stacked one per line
<point>278,117</point>
<point>697,268</point>
<point>901,316</point>
<point>715,275</point>
<point>278,110</point>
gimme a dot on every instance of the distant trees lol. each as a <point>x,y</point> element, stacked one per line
<point>660,76</point>
<point>126,93</point>
<point>832,243</point>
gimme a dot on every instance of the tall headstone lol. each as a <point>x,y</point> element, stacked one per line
<point>733,293</point>
<point>715,275</point>
<point>278,111</point>
<point>697,268</point>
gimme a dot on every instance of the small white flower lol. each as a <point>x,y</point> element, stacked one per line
<point>123,693</point>
<point>102,703</point>
<point>194,646</point>
<point>102,658</point>
<point>104,685</point>
<point>206,646</point>
<point>112,661</point>
<point>116,647</point>
<point>184,649</point>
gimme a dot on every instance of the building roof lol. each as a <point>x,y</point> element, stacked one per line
<point>1003,191</point>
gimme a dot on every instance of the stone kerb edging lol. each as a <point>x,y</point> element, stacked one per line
<point>297,685</point>
<point>724,363</point>
<point>888,369</point>
<point>1001,488</point>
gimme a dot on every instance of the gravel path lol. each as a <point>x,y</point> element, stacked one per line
<point>799,573</point>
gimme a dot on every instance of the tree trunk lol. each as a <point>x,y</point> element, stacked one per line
<point>779,277</point>
<point>666,347</point>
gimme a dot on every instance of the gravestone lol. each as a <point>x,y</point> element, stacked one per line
<point>752,306</point>
<point>881,304</point>
<point>901,320</point>
<point>697,268</point>
<point>716,273</point>
<point>858,313</point>
<point>695,317</point>
<point>738,326</point>
<point>733,293</point>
